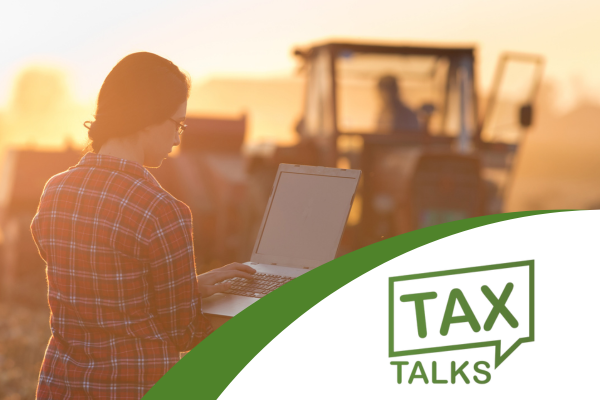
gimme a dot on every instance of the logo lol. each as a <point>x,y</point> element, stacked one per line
<point>460,309</point>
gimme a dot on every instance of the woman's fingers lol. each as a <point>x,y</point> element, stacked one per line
<point>228,274</point>
<point>208,282</point>
<point>218,275</point>
<point>209,290</point>
<point>238,267</point>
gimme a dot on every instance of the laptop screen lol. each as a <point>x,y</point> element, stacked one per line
<point>306,216</point>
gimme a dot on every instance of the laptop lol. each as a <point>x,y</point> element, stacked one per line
<point>300,230</point>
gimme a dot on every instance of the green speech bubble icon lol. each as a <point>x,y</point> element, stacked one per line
<point>459,309</point>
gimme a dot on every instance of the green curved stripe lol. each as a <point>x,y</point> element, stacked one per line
<point>207,370</point>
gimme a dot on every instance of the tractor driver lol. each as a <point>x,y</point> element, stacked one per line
<point>394,115</point>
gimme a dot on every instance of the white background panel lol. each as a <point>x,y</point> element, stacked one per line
<point>339,349</point>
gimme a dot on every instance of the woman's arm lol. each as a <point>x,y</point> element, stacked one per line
<point>175,294</point>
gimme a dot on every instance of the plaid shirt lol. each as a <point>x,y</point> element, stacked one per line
<point>121,280</point>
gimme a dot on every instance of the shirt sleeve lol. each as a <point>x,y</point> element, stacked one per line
<point>176,295</point>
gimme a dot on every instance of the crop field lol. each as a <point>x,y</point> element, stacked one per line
<point>24,334</point>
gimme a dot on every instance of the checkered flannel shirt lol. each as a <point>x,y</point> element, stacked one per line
<point>121,281</point>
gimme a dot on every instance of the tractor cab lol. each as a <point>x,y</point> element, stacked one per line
<point>394,93</point>
<point>410,118</point>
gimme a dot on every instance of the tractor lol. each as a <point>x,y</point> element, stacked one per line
<point>410,118</point>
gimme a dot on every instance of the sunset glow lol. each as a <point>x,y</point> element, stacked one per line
<point>239,53</point>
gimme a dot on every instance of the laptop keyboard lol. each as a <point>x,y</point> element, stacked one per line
<point>260,286</point>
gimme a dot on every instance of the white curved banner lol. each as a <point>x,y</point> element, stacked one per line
<point>508,310</point>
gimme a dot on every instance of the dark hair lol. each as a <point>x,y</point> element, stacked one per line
<point>141,90</point>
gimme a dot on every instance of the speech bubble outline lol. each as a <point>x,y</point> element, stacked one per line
<point>499,357</point>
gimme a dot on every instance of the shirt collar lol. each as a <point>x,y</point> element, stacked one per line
<point>114,163</point>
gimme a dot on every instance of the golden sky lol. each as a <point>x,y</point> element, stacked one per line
<point>254,38</point>
<point>239,54</point>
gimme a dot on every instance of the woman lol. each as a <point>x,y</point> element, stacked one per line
<point>122,289</point>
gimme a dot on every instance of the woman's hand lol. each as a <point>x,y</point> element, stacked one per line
<point>208,283</point>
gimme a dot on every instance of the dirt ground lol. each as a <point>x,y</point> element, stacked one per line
<point>24,334</point>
